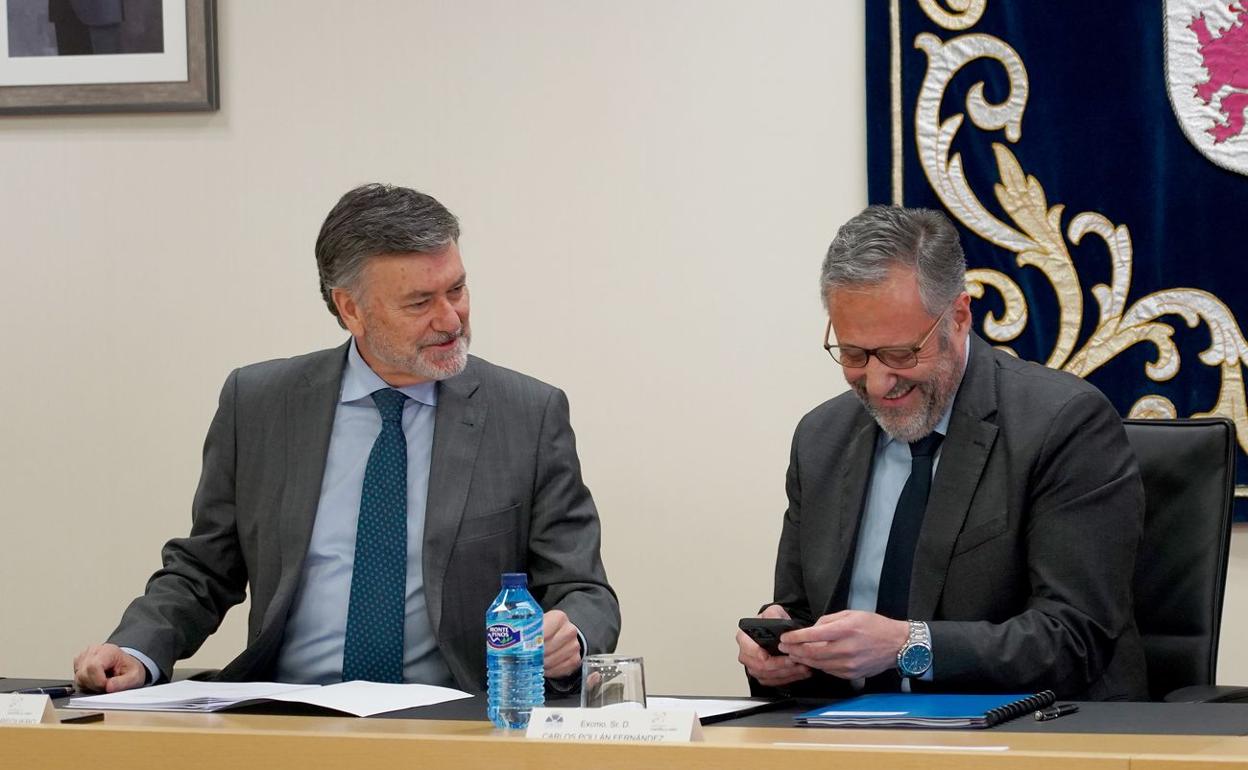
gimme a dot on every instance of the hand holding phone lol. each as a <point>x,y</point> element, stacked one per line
<point>766,631</point>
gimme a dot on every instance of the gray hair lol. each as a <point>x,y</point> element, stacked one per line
<point>883,237</point>
<point>377,219</point>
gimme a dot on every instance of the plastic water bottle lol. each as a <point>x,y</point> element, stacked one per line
<point>513,653</point>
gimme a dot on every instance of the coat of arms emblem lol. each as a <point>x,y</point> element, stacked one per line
<point>1207,75</point>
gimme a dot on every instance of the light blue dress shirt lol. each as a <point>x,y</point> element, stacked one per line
<point>316,629</point>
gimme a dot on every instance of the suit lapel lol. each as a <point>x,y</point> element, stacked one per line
<point>964,453</point>
<point>309,422</point>
<point>851,491</point>
<point>458,427</point>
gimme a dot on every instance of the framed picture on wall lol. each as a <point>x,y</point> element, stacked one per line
<point>67,56</point>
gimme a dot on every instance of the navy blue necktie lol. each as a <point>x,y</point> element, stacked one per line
<point>893,599</point>
<point>373,648</point>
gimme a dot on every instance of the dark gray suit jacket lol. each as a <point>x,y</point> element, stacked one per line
<point>505,495</point>
<point>1024,561</point>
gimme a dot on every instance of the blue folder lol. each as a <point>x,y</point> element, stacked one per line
<point>925,710</point>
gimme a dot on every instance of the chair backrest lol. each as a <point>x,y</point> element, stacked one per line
<point>1188,469</point>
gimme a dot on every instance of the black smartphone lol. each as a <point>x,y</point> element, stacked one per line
<point>766,631</point>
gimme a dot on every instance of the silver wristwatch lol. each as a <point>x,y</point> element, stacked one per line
<point>915,656</point>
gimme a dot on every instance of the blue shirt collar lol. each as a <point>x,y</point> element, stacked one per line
<point>359,382</point>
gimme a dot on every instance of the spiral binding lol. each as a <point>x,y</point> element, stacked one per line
<point>1009,711</point>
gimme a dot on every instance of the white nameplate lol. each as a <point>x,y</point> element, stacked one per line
<point>26,709</point>
<point>615,724</point>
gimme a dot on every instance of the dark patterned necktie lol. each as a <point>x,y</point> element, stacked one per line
<point>373,648</point>
<point>893,598</point>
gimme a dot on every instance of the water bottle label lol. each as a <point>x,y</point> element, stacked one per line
<point>501,636</point>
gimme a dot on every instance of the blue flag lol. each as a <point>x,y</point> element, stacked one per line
<point>1094,156</point>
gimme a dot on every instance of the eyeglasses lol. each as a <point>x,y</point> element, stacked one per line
<point>900,357</point>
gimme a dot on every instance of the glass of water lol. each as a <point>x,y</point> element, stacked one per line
<point>613,680</point>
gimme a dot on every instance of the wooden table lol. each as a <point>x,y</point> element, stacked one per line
<point>135,741</point>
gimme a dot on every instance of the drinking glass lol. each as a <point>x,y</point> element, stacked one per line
<point>613,680</point>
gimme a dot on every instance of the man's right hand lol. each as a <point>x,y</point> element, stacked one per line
<point>105,668</point>
<point>769,670</point>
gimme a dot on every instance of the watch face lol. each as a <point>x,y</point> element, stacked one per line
<point>916,659</point>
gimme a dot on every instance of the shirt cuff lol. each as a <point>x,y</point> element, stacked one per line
<point>153,670</point>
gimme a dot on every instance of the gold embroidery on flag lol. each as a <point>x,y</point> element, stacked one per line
<point>965,13</point>
<point>1035,235</point>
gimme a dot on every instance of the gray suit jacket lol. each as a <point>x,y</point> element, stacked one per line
<point>505,495</point>
<point>1024,562</point>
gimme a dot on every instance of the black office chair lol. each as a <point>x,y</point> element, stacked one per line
<point>1188,469</point>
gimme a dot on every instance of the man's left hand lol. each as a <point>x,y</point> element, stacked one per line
<point>850,644</point>
<point>563,647</point>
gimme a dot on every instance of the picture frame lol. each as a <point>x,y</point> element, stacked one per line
<point>180,77</point>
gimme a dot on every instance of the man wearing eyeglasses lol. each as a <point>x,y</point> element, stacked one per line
<point>961,520</point>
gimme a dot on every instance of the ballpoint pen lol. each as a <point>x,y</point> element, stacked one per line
<point>1053,712</point>
<point>63,691</point>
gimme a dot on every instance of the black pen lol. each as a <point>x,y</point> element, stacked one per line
<point>53,692</point>
<point>1053,712</point>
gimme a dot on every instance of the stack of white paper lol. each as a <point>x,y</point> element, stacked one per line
<point>359,698</point>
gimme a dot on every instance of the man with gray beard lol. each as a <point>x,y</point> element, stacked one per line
<point>960,520</point>
<point>368,497</point>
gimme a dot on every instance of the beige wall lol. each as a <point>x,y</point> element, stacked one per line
<point>646,189</point>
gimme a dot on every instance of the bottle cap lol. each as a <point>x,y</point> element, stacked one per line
<point>515,580</point>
